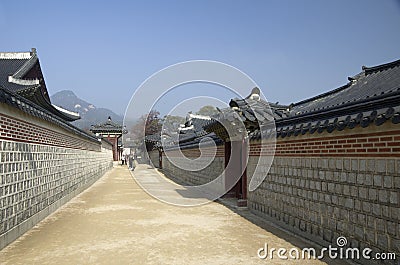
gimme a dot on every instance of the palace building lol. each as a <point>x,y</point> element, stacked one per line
<point>44,160</point>
<point>20,73</point>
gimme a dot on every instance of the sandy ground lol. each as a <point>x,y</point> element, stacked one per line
<point>116,222</point>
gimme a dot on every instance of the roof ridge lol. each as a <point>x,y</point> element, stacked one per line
<point>377,68</point>
<point>367,103</point>
<point>323,94</point>
<point>15,55</point>
<point>26,66</point>
<point>199,116</point>
<point>365,70</point>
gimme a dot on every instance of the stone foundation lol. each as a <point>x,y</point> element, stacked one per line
<point>43,164</point>
<point>37,179</point>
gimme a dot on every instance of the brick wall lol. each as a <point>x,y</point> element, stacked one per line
<point>42,166</point>
<point>341,184</point>
<point>376,144</point>
<point>15,129</point>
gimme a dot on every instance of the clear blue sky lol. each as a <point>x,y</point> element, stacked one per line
<point>103,50</point>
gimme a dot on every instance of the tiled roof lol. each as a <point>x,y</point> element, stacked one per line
<point>370,83</point>
<point>24,69</point>
<point>253,110</point>
<point>194,127</point>
<point>8,67</point>
<point>27,106</point>
<point>107,127</point>
<point>14,66</point>
<point>153,141</point>
<point>194,142</point>
<point>188,137</point>
<point>372,96</point>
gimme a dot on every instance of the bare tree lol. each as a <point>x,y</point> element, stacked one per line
<point>147,124</point>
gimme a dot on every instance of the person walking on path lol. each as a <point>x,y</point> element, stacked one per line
<point>123,159</point>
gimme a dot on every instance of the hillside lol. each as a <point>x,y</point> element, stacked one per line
<point>89,113</point>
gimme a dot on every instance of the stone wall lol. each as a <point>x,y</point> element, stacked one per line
<point>209,173</point>
<point>154,158</point>
<point>326,185</point>
<point>42,166</point>
<point>351,189</point>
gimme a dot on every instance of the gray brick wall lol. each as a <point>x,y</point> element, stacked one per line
<point>209,173</point>
<point>36,179</point>
<point>323,198</point>
<point>154,157</point>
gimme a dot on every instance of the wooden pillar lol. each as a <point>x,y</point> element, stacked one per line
<point>244,168</point>
<point>227,146</point>
<point>242,199</point>
<point>115,151</point>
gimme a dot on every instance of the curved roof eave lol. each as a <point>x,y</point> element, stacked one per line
<point>73,116</point>
<point>35,94</point>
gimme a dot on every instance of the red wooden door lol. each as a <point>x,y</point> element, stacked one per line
<point>238,161</point>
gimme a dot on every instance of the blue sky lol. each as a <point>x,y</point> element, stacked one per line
<point>103,50</point>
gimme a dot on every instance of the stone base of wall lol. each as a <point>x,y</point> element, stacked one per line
<point>26,225</point>
<point>323,198</point>
<point>35,180</point>
<point>194,178</point>
<point>154,158</point>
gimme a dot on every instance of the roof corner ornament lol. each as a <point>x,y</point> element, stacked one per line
<point>351,79</point>
<point>33,51</point>
<point>255,94</point>
<point>109,118</point>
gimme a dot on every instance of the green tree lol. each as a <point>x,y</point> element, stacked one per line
<point>171,123</point>
<point>207,111</point>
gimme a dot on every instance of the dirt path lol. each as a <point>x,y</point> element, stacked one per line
<point>116,222</point>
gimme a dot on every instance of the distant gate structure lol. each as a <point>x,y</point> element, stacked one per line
<point>112,132</point>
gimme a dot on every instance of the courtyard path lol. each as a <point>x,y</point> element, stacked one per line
<point>116,222</point>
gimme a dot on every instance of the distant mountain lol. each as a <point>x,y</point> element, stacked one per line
<point>89,113</point>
